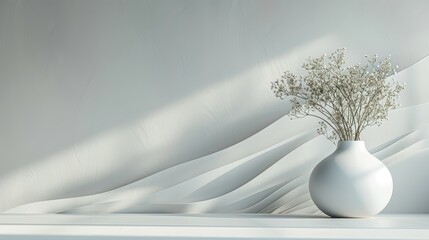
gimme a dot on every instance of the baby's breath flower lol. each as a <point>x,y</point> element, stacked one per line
<point>346,99</point>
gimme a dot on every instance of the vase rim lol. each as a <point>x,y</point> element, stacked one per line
<point>354,144</point>
<point>351,141</point>
<point>348,142</point>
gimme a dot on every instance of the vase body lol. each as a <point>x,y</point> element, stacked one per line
<point>351,182</point>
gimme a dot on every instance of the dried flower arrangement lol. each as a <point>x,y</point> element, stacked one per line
<point>345,99</point>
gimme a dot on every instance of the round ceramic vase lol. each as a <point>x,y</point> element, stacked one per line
<point>351,182</point>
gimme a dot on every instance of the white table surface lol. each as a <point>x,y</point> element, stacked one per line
<point>211,226</point>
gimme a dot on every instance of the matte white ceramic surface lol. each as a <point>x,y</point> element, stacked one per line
<point>351,182</point>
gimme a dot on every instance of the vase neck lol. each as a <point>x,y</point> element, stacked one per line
<point>351,145</point>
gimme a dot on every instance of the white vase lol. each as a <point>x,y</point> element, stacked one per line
<point>351,182</point>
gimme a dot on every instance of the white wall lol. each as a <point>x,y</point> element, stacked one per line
<point>157,103</point>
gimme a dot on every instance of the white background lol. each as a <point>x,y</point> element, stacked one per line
<point>97,95</point>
